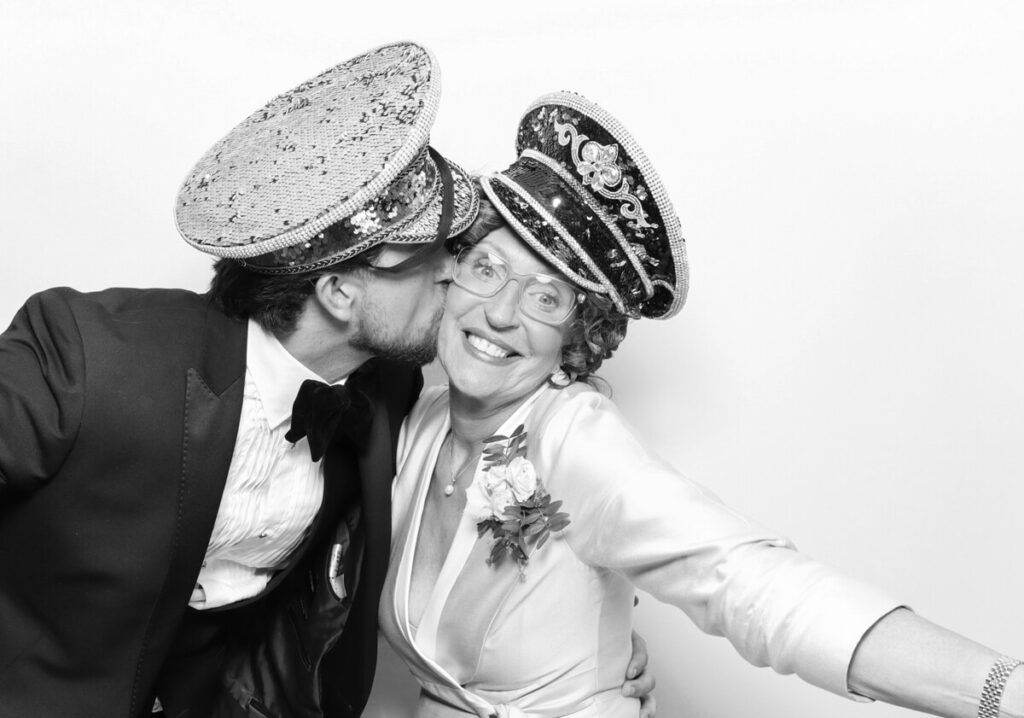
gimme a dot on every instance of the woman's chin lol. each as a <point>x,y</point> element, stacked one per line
<point>490,395</point>
<point>473,388</point>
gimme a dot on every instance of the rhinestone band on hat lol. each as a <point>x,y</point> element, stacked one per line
<point>401,203</point>
<point>583,138</point>
<point>545,234</point>
<point>569,225</point>
<point>992,694</point>
<point>630,252</point>
<point>425,227</point>
<point>568,231</point>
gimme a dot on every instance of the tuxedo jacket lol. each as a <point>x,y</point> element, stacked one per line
<point>118,416</point>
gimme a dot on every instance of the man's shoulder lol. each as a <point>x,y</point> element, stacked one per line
<point>64,308</point>
<point>173,321</point>
<point>58,301</point>
<point>167,308</point>
<point>118,299</point>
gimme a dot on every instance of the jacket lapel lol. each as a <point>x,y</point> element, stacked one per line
<point>206,458</point>
<point>351,665</point>
<point>214,389</point>
<point>213,408</point>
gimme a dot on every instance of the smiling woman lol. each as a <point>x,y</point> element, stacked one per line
<point>510,588</point>
<point>597,328</point>
<point>495,348</point>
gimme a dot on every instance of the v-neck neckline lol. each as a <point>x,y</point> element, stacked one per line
<point>425,635</point>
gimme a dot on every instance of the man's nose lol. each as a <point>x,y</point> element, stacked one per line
<point>444,266</point>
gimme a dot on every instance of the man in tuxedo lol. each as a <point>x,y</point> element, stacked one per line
<point>168,459</point>
<point>153,485</point>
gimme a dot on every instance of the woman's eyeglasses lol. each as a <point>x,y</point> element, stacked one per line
<point>542,297</point>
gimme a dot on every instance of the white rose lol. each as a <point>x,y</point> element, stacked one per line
<point>501,497</point>
<point>495,475</point>
<point>522,478</point>
<point>478,500</point>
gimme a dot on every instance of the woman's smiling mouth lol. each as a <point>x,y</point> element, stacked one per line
<point>487,347</point>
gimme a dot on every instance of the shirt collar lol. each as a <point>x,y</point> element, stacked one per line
<point>276,373</point>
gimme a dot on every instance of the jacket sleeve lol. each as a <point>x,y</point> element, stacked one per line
<point>42,373</point>
<point>632,513</point>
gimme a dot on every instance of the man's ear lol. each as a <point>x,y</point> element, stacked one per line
<point>338,294</point>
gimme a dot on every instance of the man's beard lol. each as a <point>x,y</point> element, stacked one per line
<point>374,337</point>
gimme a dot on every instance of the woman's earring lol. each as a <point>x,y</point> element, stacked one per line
<point>560,378</point>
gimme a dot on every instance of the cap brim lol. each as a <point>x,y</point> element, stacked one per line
<point>522,215</point>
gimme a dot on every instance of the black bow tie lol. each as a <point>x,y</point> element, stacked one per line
<point>324,413</point>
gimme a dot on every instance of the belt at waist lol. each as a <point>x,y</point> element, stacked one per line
<point>439,701</point>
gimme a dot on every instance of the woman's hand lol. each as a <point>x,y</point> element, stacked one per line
<point>639,681</point>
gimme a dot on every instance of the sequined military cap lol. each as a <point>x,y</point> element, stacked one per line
<point>329,169</point>
<point>584,195</point>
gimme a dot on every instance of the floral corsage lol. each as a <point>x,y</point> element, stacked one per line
<point>517,510</point>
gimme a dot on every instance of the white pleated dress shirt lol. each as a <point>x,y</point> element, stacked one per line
<point>273,489</point>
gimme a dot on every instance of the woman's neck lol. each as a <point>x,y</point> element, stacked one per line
<point>474,420</point>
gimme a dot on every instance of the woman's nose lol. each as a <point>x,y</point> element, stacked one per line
<point>502,309</point>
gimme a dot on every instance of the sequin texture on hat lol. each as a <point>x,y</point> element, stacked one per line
<point>326,170</point>
<point>584,195</point>
<point>400,203</point>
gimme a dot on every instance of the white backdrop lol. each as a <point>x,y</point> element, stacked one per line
<point>849,176</point>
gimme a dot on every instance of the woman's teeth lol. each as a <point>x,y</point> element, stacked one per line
<point>489,348</point>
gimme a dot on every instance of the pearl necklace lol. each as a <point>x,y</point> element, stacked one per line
<point>449,488</point>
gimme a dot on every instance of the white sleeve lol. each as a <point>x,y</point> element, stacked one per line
<point>633,513</point>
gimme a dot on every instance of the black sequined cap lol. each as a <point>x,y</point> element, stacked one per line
<point>328,169</point>
<point>584,195</point>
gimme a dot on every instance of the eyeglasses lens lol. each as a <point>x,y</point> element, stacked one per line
<point>540,296</point>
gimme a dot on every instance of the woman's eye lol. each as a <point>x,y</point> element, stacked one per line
<point>484,270</point>
<point>546,300</point>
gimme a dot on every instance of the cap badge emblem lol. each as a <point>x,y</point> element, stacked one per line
<point>598,165</point>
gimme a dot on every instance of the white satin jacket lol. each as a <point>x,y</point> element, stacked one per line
<point>556,641</point>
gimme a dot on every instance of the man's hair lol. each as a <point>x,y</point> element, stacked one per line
<point>275,301</point>
<point>598,327</point>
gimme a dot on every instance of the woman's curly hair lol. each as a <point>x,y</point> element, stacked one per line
<point>598,328</point>
<point>594,336</point>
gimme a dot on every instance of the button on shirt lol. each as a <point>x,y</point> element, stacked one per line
<point>273,490</point>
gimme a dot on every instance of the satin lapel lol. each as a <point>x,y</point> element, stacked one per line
<point>354,660</point>
<point>340,491</point>
<point>411,497</point>
<point>376,472</point>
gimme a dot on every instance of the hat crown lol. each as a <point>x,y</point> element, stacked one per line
<point>585,196</point>
<point>313,155</point>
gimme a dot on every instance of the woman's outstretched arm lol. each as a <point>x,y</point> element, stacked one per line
<point>908,661</point>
